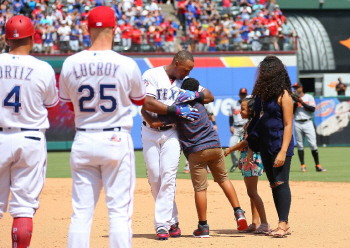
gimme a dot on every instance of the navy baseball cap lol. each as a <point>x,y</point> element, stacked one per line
<point>243,91</point>
<point>297,85</point>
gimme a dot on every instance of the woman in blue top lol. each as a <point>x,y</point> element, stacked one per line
<point>270,133</point>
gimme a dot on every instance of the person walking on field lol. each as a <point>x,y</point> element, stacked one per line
<point>100,85</point>
<point>202,148</point>
<point>270,133</point>
<point>161,147</point>
<point>27,91</point>
<point>304,107</point>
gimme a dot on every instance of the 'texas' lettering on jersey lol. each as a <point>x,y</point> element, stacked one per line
<point>95,69</point>
<point>16,72</point>
<point>167,94</point>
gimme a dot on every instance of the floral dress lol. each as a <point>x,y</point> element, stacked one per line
<point>250,170</point>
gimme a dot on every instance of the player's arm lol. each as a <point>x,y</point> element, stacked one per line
<point>308,107</point>
<point>152,121</point>
<point>51,99</point>
<point>204,96</point>
<point>230,119</point>
<point>138,90</point>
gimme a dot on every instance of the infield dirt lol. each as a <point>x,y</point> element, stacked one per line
<point>319,217</point>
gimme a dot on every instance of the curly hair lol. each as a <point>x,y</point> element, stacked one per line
<point>272,79</point>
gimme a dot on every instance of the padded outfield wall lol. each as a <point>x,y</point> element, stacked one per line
<point>223,75</point>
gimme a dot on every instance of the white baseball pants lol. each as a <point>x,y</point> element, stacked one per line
<point>161,151</point>
<point>302,129</point>
<point>102,159</point>
<point>233,141</point>
<point>22,171</point>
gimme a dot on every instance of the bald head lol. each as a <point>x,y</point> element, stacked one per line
<point>182,57</point>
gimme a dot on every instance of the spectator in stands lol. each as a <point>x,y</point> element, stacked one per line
<point>226,6</point>
<point>32,4</point>
<point>287,30</point>
<point>158,41</point>
<point>37,10</point>
<point>47,36</point>
<point>38,41</point>
<point>17,5</point>
<point>184,44</point>
<point>8,13</point>
<point>280,40</point>
<point>254,37</point>
<point>136,38</point>
<point>74,38</point>
<point>181,12</point>
<point>340,88</point>
<point>64,33</point>
<point>45,20</point>
<point>86,36</point>
<point>245,31</point>
<point>169,39</point>
<point>237,38</point>
<point>202,39</point>
<point>126,34</point>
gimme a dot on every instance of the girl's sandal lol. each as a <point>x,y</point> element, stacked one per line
<point>279,235</point>
<point>263,229</point>
<point>251,228</point>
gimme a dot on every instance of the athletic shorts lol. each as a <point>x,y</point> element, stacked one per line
<point>158,44</point>
<point>213,158</point>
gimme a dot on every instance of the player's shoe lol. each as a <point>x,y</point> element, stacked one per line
<point>208,170</point>
<point>202,231</point>
<point>319,168</point>
<point>175,231</point>
<point>303,168</point>
<point>233,167</point>
<point>162,233</point>
<point>187,169</point>
<point>241,220</point>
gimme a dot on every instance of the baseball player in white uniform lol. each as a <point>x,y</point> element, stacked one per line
<point>236,126</point>
<point>161,147</point>
<point>27,89</point>
<point>304,107</point>
<point>101,85</point>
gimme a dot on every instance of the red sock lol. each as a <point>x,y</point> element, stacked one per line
<point>22,229</point>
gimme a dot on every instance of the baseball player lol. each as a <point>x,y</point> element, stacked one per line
<point>100,85</point>
<point>236,125</point>
<point>27,90</point>
<point>304,106</point>
<point>161,147</point>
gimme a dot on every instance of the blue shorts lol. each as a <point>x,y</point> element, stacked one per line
<point>158,44</point>
<point>86,43</point>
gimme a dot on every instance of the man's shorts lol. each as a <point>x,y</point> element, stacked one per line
<point>213,158</point>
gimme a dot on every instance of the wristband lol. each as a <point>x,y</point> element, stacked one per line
<point>172,110</point>
<point>214,123</point>
<point>200,97</point>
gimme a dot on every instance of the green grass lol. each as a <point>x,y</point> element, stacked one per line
<point>334,159</point>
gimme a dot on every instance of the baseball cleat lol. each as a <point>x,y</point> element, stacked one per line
<point>319,168</point>
<point>241,220</point>
<point>303,168</point>
<point>175,231</point>
<point>187,169</point>
<point>202,231</point>
<point>233,168</point>
<point>162,233</point>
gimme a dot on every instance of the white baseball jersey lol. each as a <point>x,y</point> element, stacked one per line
<point>300,112</point>
<point>27,88</point>
<point>159,86</point>
<point>235,111</point>
<point>99,83</point>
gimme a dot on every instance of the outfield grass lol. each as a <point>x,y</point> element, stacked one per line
<point>334,159</point>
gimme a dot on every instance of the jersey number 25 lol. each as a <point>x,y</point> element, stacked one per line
<point>102,97</point>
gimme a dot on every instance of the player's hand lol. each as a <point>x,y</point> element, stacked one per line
<point>187,112</point>
<point>215,127</point>
<point>279,161</point>
<point>227,151</point>
<point>295,98</point>
<point>187,96</point>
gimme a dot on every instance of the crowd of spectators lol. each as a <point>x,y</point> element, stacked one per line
<point>202,25</point>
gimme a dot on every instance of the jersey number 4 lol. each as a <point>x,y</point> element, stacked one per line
<point>102,97</point>
<point>12,99</point>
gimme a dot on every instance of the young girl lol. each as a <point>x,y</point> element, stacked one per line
<point>251,172</point>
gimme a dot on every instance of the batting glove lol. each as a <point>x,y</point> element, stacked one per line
<point>187,112</point>
<point>188,96</point>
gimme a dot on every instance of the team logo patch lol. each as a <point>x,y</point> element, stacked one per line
<point>15,34</point>
<point>146,82</point>
<point>98,24</point>
<point>116,138</point>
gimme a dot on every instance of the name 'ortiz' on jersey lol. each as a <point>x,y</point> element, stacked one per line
<point>159,86</point>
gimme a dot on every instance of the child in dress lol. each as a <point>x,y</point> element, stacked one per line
<point>251,173</point>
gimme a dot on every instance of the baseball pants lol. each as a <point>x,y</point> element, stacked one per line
<point>102,159</point>
<point>233,141</point>
<point>161,151</point>
<point>22,171</point>
<point>303,129</point>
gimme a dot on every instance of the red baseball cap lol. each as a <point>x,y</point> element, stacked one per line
<point>297,85</point>
<point>101,17</point>
<point>243,91</point>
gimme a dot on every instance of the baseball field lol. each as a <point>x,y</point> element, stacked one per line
<point>319,213</point>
